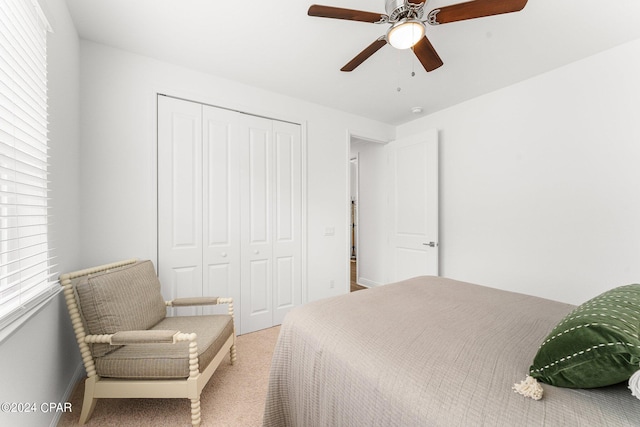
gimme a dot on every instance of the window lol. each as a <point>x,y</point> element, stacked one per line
<point>25,260</point>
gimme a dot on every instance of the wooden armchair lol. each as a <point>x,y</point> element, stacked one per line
<point>130,348</point>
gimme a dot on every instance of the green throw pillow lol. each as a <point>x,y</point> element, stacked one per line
<point>595,345</point>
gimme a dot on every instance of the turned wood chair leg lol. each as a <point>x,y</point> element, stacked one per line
<point>195,412</point>
<point>232,354</point>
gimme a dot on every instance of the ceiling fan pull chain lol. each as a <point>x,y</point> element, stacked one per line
<point>413,66</point>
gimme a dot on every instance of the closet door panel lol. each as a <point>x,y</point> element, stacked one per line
<point>219,279</point>
<point>179,198</point>
<point>288,214</point>
<point>259,280</point>
<point>285,187</point>
<point>259,145</point>
<point>221,206</point>
<point>181,285</point>
<point>284,292</point>
<point>256,217</point>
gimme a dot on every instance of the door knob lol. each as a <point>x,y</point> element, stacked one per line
<point>256,252</point>
<point>432,244</point>
<point>223,254</point>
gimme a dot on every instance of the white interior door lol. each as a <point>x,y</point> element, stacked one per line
<point>221,207</point>
<point>271,214</point>
<point>198,202</point>
<point>413,201</point>
<point>180,199</point>
<point>287,238</point>
<point>256,217</point>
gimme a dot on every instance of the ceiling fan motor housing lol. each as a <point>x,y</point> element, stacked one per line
<point>399,9</point>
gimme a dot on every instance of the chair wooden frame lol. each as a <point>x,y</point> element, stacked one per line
<point>97,387</point>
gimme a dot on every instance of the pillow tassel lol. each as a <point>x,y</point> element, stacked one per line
<point>634,384</point>
<point>530,388</point>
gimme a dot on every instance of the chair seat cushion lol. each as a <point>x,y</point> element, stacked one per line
<point>165,361</point>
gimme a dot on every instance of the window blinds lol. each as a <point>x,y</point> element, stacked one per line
<point>25,261</point>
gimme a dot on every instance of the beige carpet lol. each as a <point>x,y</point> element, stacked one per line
<point>234,396</point>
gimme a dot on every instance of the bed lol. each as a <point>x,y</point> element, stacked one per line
<point>427,351</point>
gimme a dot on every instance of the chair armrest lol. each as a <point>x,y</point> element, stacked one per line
<point>144,337</point>
<point>152,337</point>
<point>185,302</point>
<point>140,337</point>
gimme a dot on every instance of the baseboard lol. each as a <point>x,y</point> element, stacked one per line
<point>77,376</point>
<point>367,283</point>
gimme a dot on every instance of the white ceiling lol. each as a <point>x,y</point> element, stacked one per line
<point>274,45</point>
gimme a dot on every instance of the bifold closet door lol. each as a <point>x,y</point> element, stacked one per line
<point>198,202</point>
<point>180,199</point>
<point>221,206</point>
<point>270,160</point>
<point>229,210</point>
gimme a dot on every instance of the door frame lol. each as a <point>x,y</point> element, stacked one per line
<point>351,134</point>
<point>355,232</point>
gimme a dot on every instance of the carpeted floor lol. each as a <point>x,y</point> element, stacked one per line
<point>234,396</point>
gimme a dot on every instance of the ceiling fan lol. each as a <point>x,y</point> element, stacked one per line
<point>407,28</point>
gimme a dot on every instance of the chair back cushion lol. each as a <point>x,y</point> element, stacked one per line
<point>123,299</point>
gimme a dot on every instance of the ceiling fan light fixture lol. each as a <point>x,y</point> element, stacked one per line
<point>405,33</point>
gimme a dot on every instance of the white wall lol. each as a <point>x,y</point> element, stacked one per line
<point>38,362</point>
<point>540,181</point>
<point>118,133</point>
<point>372,212</point>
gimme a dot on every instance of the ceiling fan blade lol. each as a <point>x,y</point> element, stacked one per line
<point>348,14</point>
<point>365,54</point>
<point>474,9</point>
<point>427,55</point>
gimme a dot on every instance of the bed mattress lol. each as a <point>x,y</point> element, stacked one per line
<point>427,351</point>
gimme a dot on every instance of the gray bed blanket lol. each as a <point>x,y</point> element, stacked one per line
<point>427,351</point>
